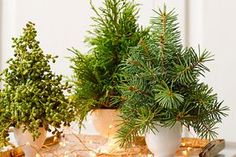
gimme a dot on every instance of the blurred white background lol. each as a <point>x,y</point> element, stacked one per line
<point>62,24</point>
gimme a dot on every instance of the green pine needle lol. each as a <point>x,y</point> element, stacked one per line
<point>161,84</point>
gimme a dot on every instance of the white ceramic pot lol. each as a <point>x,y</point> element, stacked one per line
<point>25,140</point>
<point>105,121</point>
<point>165,142</point>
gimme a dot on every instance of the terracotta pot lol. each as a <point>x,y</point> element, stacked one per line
<point>25,140</point>
<point>105,121</point>
<point>165,142</point>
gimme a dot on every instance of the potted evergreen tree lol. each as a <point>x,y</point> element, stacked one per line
<point>33,97</point>
<point>96,74</point>
<point>163,90</point>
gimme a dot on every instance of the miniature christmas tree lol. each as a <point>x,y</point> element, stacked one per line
<point>162,85</point>
<point>32,95</point>
<point>97,74</point>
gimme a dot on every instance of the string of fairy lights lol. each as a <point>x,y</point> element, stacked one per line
<point>72,144</point>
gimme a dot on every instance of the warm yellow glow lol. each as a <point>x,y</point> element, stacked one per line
<point>105,151</point>
<point>111,144</point>
<point>102,150</point>
<point>92,154</point>
<point>185,152</point>
<point>55,138</point>
<point>189,148</point>
<point>119,149</point>
<point>27,144</point>
<point>63,144</point>
<point>111,126</point>
<point>37,155</point>
<point>183,144</point>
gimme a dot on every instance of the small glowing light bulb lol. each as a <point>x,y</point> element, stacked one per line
<point>27,144</point>
<point>55,138</point>
<point>185,152</point>
<point>183,144</point>
<point>37,155</point>
<point>111,126</point>
<point>92,154</point>
<point>189,148</point>
<point>111,144</point>
<point>63,144</point>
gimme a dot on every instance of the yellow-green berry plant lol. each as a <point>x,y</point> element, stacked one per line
<point>32,95</point>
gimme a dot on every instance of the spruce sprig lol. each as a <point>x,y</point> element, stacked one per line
<point>161,84</point>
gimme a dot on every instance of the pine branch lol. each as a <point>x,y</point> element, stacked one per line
<point>191,66</point>
<point>136,125</point>
<point>166,97</point>
<point>161,76</point>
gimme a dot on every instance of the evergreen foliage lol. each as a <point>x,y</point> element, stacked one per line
<point>32,95</point>
<point>96,75</point>
<point>161,84</point>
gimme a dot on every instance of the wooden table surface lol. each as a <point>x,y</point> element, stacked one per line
<point>77,145</point>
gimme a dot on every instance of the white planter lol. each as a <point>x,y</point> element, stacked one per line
<point>25,140</point>
<point>165,142</point>
<point>105,121</point>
